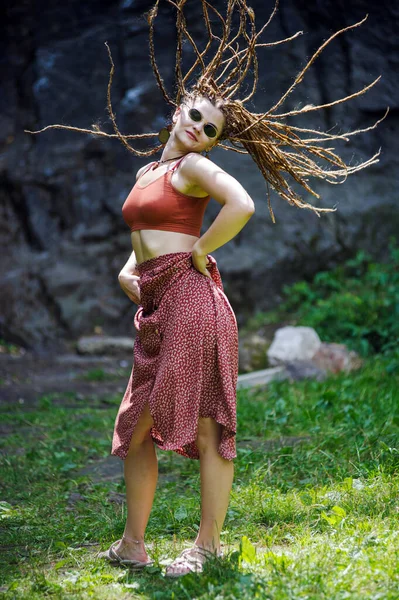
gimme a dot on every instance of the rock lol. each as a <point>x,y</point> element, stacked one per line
<point>336,357</point>
<point>99,231</point>
<point>104,345</point>
<point>261,377</point>
<point>303,369</point>
<point>252,352</point>
<point>42,224</point>
<point>292,344</point>
<point>62,187</point>
<point>26,318</point>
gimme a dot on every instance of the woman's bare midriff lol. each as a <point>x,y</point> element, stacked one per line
<point>150,243</point>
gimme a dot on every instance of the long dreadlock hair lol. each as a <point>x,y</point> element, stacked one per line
<point>278,149</point>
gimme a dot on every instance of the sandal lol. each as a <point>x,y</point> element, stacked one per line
<point>190,560</point>
<point>111,556</point>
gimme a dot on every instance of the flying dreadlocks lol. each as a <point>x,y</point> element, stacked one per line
<point>277,148</point>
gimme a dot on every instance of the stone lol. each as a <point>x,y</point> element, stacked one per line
<point>252,352</point>
<point>293,343</point>
<point>304,369</point>
<point>262,377</point>
<point>26,318</point>
<point>62,187</point>
<point>336,357</point>
<point>97,344</point>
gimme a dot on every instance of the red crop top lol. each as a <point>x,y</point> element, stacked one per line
<point>159,205</point>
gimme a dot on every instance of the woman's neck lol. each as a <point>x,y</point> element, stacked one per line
<point>173,149</point>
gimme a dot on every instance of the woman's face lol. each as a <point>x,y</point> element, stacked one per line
<point>191,132</point>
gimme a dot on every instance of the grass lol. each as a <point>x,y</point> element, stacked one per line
<point>314,515</point>
<point>100,374</point>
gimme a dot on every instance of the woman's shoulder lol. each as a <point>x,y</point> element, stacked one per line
<point>142,170</point>
<point>194,162</point>
<point>205,175</point>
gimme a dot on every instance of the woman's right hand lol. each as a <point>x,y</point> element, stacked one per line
<point>130,284</point>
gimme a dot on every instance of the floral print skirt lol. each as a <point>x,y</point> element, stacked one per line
<point>185,357</point>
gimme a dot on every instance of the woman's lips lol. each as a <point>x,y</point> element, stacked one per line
<point>192,136</point>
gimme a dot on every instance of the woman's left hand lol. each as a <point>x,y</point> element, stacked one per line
<point>200,262</point>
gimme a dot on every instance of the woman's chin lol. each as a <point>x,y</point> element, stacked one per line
<point>189,144</point>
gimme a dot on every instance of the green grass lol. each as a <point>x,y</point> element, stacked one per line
<point>100,374</point>
<point>315,519</point>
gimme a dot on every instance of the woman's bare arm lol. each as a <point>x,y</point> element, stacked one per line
<point>129,279</point>
<point>131,265</point>
<point>237,205</point>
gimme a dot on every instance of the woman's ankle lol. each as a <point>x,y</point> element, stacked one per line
<point>212,546</point>
<point>127,548</point>
<point>134,542</point>
<point>133,539</point>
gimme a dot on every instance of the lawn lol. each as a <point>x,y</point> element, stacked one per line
<point>314,510</point>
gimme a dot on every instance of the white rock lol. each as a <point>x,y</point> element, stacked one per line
<point>102,344</point>
<point>293,343</point>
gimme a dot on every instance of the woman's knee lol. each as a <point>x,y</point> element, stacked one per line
<point>208,435</point>
<point>142,431</point>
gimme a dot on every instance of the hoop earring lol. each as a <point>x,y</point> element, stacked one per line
<point>164,135</point>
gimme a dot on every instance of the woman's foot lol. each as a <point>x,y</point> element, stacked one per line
<point>190,561</point>
<point>127,552</point>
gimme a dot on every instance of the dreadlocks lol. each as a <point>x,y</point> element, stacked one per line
<point>278,149</point>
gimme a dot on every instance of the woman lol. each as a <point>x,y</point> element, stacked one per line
<point>194,178</point>
<point>181,393</point>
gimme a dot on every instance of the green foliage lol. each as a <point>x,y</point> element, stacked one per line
<point>100,374</point>
<point>96,375</point>
<point>357,303</point>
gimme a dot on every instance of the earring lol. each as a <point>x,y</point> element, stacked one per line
<point>164,135</point>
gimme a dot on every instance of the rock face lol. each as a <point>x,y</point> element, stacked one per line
<point>62,238</point>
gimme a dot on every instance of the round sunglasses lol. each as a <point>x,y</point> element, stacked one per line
<point>196,116</point>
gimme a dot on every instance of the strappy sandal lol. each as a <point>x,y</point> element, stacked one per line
<point>113,557</point>
<point>190,560</point>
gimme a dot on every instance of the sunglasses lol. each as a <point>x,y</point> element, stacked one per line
<point>196,116</point>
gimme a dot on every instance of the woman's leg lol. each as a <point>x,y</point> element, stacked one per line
<point>141,474</point>
<point>216,480</point>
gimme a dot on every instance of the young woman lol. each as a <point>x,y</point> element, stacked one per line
<point>181,393</point>
<point>164,401</point>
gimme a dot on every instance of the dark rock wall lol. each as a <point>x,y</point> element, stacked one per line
<point>62,237</point>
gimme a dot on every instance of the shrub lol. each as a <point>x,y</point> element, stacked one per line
<point>356,303</point>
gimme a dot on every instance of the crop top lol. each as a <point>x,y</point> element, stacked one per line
<point>159,205</point>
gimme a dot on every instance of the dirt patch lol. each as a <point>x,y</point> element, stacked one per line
<point>106,469</point>
<point>28,378</point>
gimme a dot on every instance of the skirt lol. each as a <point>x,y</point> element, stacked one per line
<point>185,357</point>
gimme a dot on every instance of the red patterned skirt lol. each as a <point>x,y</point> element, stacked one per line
<point>185,357</point>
